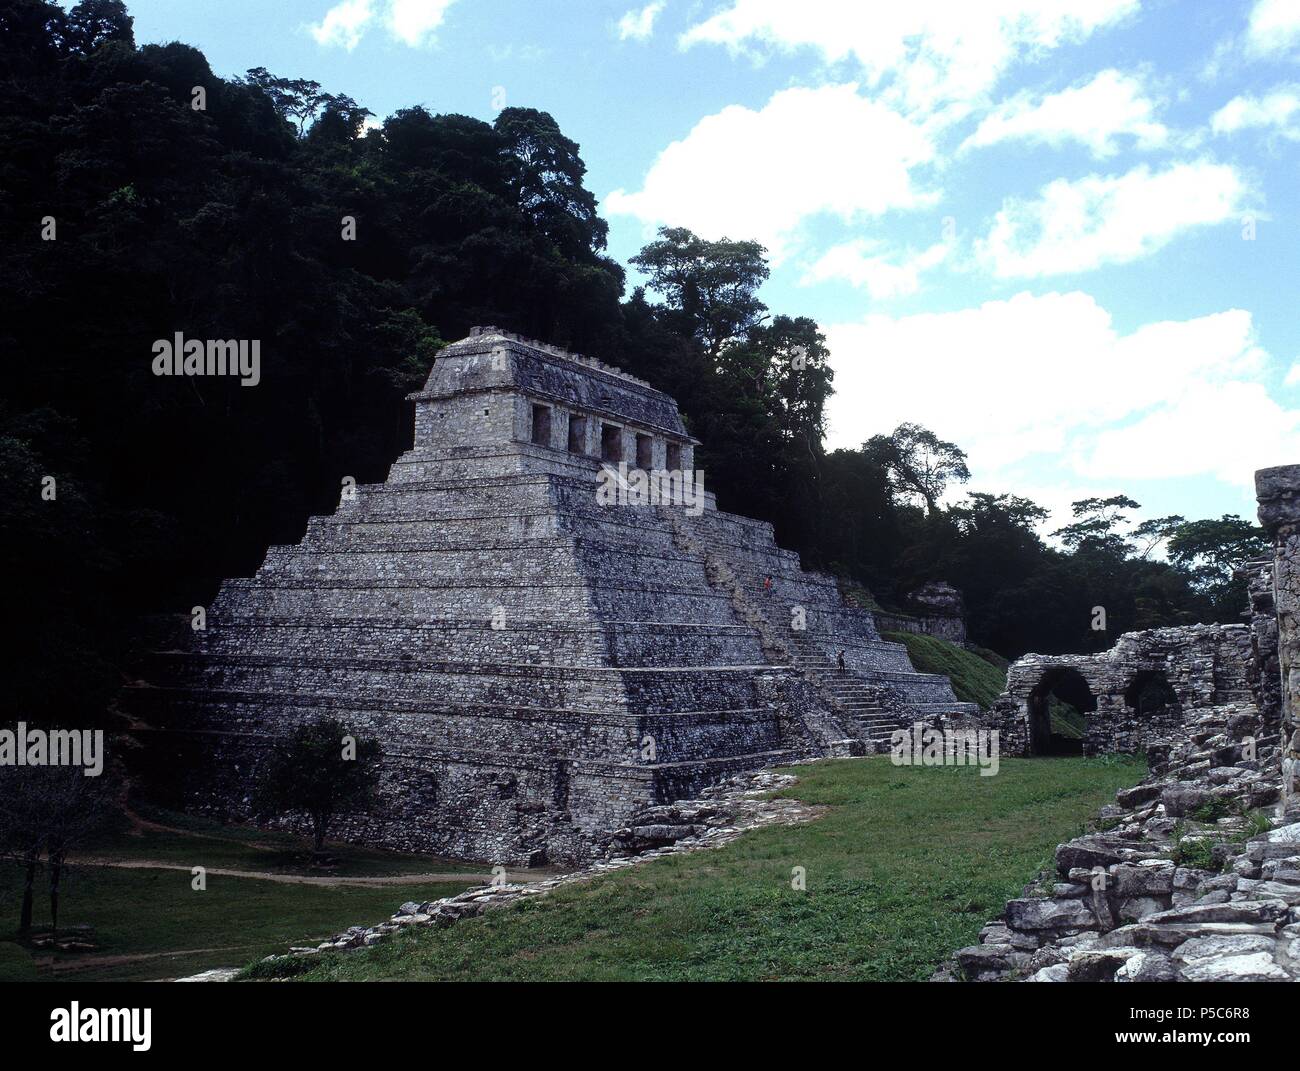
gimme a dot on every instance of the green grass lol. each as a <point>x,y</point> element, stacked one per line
<point>16,963</point>
<point>1067,721</point>
<point>200,841</point>
<point>154,912</point>
<point>975,678</point>
<point>904,868</point>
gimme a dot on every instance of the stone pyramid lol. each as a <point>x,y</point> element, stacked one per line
<point>538,662</point>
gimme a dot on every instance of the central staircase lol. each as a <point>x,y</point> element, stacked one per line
<point>857,699</point>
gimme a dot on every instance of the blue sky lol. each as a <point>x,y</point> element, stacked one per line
<point>1062,233</point>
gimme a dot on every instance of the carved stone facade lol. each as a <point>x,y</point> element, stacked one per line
<point>538,663</point>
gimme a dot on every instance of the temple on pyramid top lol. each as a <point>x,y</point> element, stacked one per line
<point>495,390</point>
<point>541,665</point>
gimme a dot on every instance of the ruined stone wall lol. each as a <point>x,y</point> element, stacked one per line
<point>952,629</point>
<point>1194,874</point>
<point>1262,618</point>
<point>1204,665</point>
<point>1278,491</point>
<point>934,609</point>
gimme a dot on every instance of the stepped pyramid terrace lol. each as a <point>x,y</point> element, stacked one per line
<point>538,662</point>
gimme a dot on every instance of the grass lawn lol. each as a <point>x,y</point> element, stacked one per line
<point>144,912</point>
<point>906,866</point>
<point>194,841</point>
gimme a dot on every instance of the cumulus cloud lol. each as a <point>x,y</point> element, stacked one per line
<point>1083,224</point>
<point>638,25</point>
<point>1057,382</point>
<point>411,22</point>
<point>1273,27</point>
<point>760,174</point>
<point>931,51</point>
<point>1171,441</point>
<point>344,24</point>
<point>1095,113</point>
<point>866,264</point>
<point>1273,110</point>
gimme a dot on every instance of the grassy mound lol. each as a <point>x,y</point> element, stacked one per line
<point>906,866</point>
<point>975,674</point>
<point>978,675</point>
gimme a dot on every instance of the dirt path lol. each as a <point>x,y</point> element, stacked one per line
<point>92,962</point>
<point>514,878</point>
<point>140,825</point>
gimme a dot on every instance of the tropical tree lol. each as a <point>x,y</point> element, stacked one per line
<point>713,284</point>
<point>322,769</point>
<point>919,462</point>
<point>48,811</point>
<point>1211,550</point>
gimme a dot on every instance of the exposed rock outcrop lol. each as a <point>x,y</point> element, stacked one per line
<point>1192,875</point>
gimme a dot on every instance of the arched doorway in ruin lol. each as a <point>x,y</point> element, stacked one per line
<point>1150,696</point>
<point>1058,709</point>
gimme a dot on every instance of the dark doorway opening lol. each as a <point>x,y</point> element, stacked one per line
<point>1058,710</point>
<point>1151,695</point>
<point>542,425</point>
<point>577,435</point>
<point>611,442</point>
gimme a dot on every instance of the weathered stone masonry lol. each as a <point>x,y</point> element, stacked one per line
<point>1194,874</point>
<point>538,666</point>
<point>1202,665</point>
<point>1278,491</point>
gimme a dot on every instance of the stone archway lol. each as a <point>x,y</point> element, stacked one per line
<point>1070,687</point>
<point>1153,705</point>
<point>1150,695</point>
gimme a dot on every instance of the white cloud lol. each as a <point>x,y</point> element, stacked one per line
<point>638,25</point>
<point>760,174</point>
<point>1049,378</point>
<point>344,24</point>
<point>1274,26</point>
<point>1275,109</point>
<point>1083,224</point>
<point>1292,375</point>
<point>862,263</point>
<point>1200,436</point>
<point>932,50</point>
<point>1095,114</point>
<point>411,22</point>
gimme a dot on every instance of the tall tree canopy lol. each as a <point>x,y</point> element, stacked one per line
<point>268,208</point>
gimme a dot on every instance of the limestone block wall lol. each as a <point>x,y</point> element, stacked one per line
<point>1204,665</point>
<point>934,609</point>
<point>1262,617</point>
<point>1278,492</point>
<point>537,664</point>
